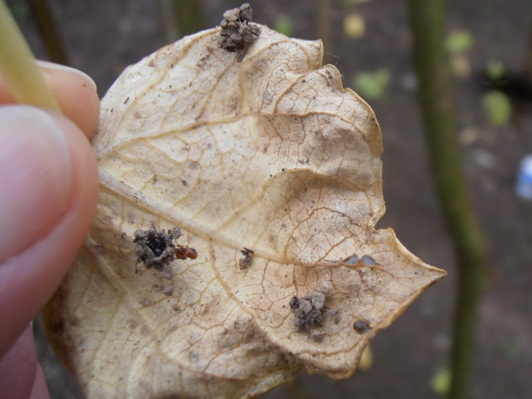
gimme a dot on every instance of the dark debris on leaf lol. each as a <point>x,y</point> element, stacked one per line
<point>361,326</point>
<point>245,262</point>
<point>237,30</point>
<point>308,313</point>
<point>156,248</point>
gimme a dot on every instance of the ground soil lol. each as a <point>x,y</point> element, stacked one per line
<point>102,37</point>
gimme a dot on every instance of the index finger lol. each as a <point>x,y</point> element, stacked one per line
<point>74,91</point>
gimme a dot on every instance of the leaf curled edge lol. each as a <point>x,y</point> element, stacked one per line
<point>268,154</point>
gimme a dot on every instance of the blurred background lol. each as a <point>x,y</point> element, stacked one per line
<point>490,55</point>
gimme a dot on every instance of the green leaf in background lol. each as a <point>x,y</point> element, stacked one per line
<point>354,26</point>
<point>366,361</point>
<point>441,380</point>
<point>498,107</point>
<point>371,84</point>
<point>460,66</point>
<point>283,24</point>
<point>459,42</point>
<point>495,70</point>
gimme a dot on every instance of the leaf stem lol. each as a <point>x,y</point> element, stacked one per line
<point>18,67</point>
<point>427,20</point>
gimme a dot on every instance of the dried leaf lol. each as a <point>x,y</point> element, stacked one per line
<point>272,172</point>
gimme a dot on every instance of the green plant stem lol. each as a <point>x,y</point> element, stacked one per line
<point>427,19</point>
<point>18,67</point>
<point>324,27</point>
<point>188,16</point>
<point>167,20</point>
<point>48,30</point>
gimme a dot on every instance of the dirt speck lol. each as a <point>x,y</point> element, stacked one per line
<point>245,262</point>
<point>308,313</point>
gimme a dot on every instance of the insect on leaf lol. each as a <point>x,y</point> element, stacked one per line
<point>271,171</point>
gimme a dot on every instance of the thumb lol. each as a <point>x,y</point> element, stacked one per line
<point>49,186</point>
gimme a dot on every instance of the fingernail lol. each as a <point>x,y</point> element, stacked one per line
<point>35,176</point>
<point>64,68</point>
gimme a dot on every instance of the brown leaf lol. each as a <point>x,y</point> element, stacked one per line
<point>272,172</point>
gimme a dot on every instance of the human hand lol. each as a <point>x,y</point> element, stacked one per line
<point>48,195</point>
